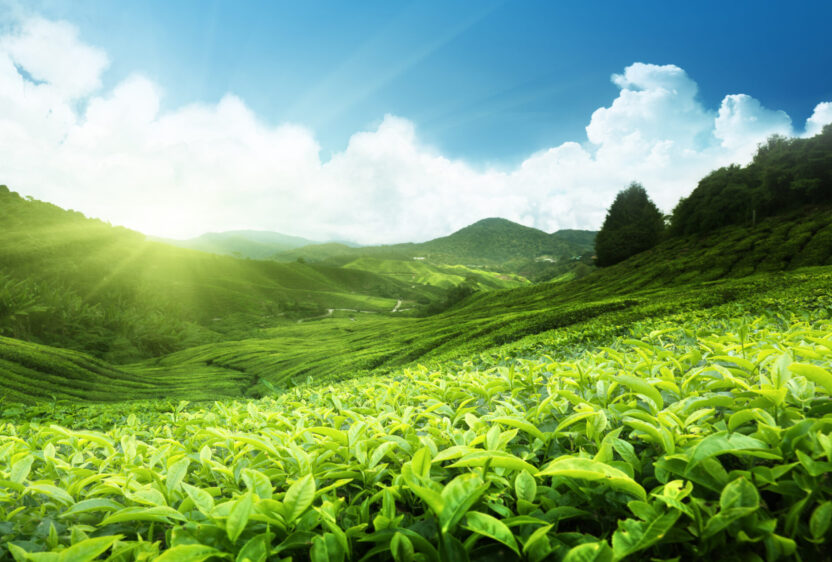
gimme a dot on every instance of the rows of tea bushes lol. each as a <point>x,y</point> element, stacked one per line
<point>706,435</point>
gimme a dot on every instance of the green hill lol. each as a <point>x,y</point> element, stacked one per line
<point>497,241</point>
<point>82,284</point>
<point>255,244</point>
<point>421,272</point>
<point>490,243</point>
<point>785,175</point>
<point>685,274</point>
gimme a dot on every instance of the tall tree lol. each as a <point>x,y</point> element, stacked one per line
<point>633,224</point>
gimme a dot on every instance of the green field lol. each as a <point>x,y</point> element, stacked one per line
<point>687,433</point>
<point>160,403</point>
<point>417,272</point>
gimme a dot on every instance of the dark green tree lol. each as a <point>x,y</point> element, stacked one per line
<point>633,224</point>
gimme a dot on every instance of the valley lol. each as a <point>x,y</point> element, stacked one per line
<point>493,394</point>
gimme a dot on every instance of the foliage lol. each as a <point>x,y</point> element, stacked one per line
<point>442,276</point>
<point>633,224</point>
<point>493,243</point>
<point>706,434</point>
<point>780,243</point>
<point>786,174</point>
<point>82,284</point>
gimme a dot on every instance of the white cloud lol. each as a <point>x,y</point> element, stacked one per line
<point>114,154</point>
<point>51,52</point>
<point>822,115</point>
<point>743,122</point>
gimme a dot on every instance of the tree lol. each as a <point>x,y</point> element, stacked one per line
<point>633,224</point>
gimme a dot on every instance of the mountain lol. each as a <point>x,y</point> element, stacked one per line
<point>493,243</point>
<point>497,240</point>
<point>255,244</point>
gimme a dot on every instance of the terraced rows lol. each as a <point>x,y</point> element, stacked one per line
<point>706,434</point>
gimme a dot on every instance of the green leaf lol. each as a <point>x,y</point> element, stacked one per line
<point>158,514</point>
<point>817,375</point>
<point>326,548</point>
<point>298,539</point>
<point>590,552</point>
<point>820,521</point>
<point>488,526</point>
<point>255,550</point>
<point>634,536</point>
<point>176,473</point>
<point>20,469</point>
<point>401,548</point>
<point>18,553</point>
<point>525,486</point>
<point>203,501</point>
<point>380,452</point>
<point>720,444</point>
<point>147,495</point>
<point>739,499</point>
<point>89,549</point>
<point>58,494</point>
<point>497,459</point>
<point>537,546</point>
<point>641,386</point>
<point>336,435</point>
<point>520,424</point>
<point>258,483</point>
<point>587,469</point>
<point>458,496</point>
<point>299,497</point>
<point>421,462</point>
<point>189,553</point>
<point>451,549</point>
<point>238,518</point>
<point>90,505</point>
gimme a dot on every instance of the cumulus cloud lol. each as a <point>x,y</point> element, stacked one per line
<point>207,167</point>
<point>743,121</point>
<point>822,115</point>
<point>52,52</point>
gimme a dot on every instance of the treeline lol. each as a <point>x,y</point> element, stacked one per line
<point>786,174</point>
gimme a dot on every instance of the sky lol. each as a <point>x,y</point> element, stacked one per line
<point>382,121</point>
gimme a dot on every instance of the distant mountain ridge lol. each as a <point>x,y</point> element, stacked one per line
<point>489,242</point>
<point>256,244</point>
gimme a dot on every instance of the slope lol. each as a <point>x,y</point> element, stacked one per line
<point>254,244</point>
<point>80,283</point>
<point>489,243</point>
<point>421,272</point>
<point>600,305</point>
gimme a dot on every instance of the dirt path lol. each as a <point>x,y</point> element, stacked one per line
<point>329,312</point>
<point>398,304</point>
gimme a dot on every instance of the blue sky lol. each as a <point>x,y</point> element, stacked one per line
<point>490,81</point>
<point>483,84</point>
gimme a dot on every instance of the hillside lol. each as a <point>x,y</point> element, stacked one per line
<point>254,244</point>
<point>497,240</point>
<point>80,283</point>
<point>785,175</point>
<point>421,272</point>
<point>490,243</point>
<point>678,275</point>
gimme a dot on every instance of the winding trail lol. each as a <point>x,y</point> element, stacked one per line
<point>330,311</point>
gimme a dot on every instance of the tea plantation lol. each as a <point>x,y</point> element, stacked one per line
<point>703,432</point>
